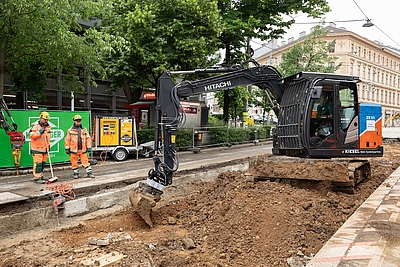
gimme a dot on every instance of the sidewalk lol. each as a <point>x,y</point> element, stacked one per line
<point>371,236</point>
<point>111,172</point>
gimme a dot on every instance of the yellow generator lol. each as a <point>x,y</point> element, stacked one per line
<point>115,136</point>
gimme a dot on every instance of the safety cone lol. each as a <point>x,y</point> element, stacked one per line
<point>390,162</point>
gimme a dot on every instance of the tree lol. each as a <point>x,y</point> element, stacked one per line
<point>46,35</point>
<point>262,98</point>
<point>236,104</point>
<point>312,55</point>
<point>262,19</point>
<point>149,37</point>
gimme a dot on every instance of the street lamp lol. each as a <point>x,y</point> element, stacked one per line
<point>368,23</point>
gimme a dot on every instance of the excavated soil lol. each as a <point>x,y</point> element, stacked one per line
<point>232,221</point>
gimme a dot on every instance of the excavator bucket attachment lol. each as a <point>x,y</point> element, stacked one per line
<point>143,198</point>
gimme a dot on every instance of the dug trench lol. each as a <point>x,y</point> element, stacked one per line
<point>230,221</point>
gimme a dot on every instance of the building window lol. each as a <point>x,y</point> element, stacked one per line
<point>358,69</point>
<point>363,73</point>
<point>369,55</point>
<point>374,57</point>
<point>390,97</point>
<point>351,68</point>
<point>352,48</point>
<point>369,74</point>
<point>377,95</point>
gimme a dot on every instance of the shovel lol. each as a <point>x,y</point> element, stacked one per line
<point>53,178</point>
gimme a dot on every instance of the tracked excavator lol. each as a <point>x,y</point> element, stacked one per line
<point>391,118</point>
<point>17,138</point>
<point>340,139</point>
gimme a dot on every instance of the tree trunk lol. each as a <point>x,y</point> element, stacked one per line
<point>128,93</point>
<point>132,94</point>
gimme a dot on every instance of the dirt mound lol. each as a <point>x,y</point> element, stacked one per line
<point>232,221</point>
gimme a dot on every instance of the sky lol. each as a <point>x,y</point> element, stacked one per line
<point>383,13</point>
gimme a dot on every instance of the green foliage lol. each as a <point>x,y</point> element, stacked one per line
<point>219,135</point>
<point>236,103</point>
<point>262,19</point>
<point>145,135</point>
<point>259,98</point>
<point>310,55</point>
<point>47,34</point>
<point>184,138</point>
<point>149,37</point>
<point>31,81</point>
<point>215,120</point>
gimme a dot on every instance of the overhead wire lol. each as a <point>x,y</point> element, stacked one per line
<point>264,45</point>
<point>368,19</point>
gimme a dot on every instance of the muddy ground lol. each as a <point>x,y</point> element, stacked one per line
<point>233,221</point>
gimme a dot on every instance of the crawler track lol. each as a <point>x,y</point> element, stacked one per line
<point>344,174</point>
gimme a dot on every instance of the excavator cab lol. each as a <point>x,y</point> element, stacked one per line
<point>320,117</point>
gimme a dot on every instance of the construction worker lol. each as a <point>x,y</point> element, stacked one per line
<point>40,145</point>
<point>77,144</point>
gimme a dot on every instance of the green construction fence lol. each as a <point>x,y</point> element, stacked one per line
<point>59,121</point>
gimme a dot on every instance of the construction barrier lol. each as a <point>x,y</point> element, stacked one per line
<point>59,121</point>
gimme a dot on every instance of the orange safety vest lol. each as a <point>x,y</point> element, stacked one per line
<point>71,141</point>
<point>40,143</point>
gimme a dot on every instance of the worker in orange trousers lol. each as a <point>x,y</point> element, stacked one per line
<point>77,145</point>
<point>40,145</point>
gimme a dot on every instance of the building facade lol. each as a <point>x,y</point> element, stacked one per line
<point>377,65</point>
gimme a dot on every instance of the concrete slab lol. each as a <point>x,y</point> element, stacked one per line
<point>7,197</point>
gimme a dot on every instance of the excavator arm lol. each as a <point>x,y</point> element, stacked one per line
<point>391,118</point>
<point>170,117</point>
<point>17,139</point>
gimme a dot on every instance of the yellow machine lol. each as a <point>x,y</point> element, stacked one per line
<point>391,118</point>
<point>115,136</point>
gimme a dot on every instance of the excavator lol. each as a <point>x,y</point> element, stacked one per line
<point>391,118</point>
<point>17,138</point>
<point>340,141</point>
